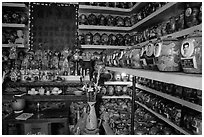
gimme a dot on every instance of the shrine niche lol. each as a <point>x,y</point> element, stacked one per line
<point>53,26</point>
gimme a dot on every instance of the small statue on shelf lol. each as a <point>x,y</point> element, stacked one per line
<point>13,52</point>
<point>20,39</point>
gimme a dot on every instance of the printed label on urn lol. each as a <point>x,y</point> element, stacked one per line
<point>189,62</point>
<point>150,61</point>
<point>143,62</point>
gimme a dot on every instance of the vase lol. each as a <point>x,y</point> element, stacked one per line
<point>91,121</point>
<point>18,105</point>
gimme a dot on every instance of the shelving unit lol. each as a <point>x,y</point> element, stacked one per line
<point>164,119</point>
<point>103,47</point>
<point>104,28</point>
<point>128,83</point>
<point>172,98</point>
<point>49,98</point>
<point>11,25</point>
<point>117,97</point>
<point>40,83</point>
<point>178,78</point>
<point>10,4</point>
<point>18,45</point>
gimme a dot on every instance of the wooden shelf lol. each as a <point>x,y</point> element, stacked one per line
<point>11,25</point>
<point>103,47</point>
<point>111,10</point>
<point>100,9</point>
<point>104,28</point>
<point>181,33</point>
<point>40,83</point>
<point>117,97</point>
<point>118,83</point>
<point>10,4</point>
<point>18,45</point>
<point>178,78</point>
<point>49,98</point>
<point>164,119</point>
<point>159,15</point>
<point>172,98</point>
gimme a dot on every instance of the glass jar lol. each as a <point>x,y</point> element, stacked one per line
<point>152,32</point>
<point>197,125</point>
<point>135,58</point>
<point>200,14</point>
<point>167,54</point>
<point>23,18</point>
<point>133,19</point>
<point>111,4</point>
<point>117,76</point>
<point>178,91</point>
<point>102,4</point>
<point>118,90</point>
<point>177,115</point>
<point>126,58</point>
<point>120,40</point>
<point>119,21</point>
<point>164,28</point>
<point>139,16</point>
<point>129,5</point>
<point>150,60</point>
<point>110,90</point>
<point>142,57</point>
<point>191,53</point>
<point>92,19</point>
<point>83,20</point>
<point>112,39</point>
<point>159,31</point>
<point>88,39</point>
<point>180,22</point>
<point>172,25</point>
<point>81,39</point>
<point>146,34</point>
<point>191,14</point>
<point>101,20</point>
<point>127,22</point>
<point>127,40</point>
<point>110,20</point>
<point>96,39</point>
<point>199,97</point>
<point>104,39</point>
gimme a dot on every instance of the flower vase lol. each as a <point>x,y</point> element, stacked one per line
<point>91,121</point>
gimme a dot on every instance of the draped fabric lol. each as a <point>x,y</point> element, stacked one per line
<point>53,26</point>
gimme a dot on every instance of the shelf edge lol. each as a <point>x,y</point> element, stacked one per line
<point>180,78</point>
